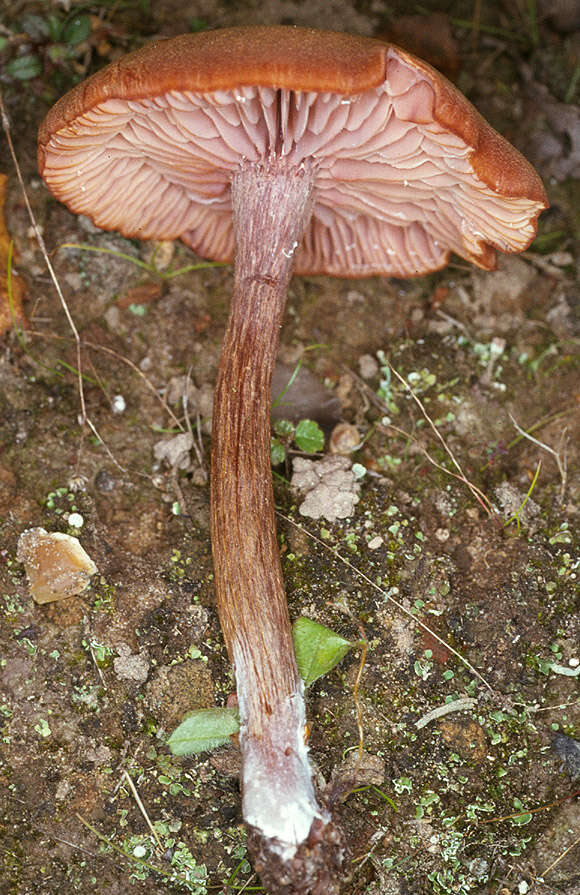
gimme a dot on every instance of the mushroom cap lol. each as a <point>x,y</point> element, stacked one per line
<point>405,169</point>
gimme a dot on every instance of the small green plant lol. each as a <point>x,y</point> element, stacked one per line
<point>516,516</point>
<point>306,435</point>
<point>44,42</point>
<point>385,390</point>
<point>105,597</point>
<point>548,666</point>
<point>318,651</point>
<point>149,267</point>
<point>43,727</point>
<point>101,653</point>
<point>203,730</point>
<point>184,874</point>
<point>178,565</point>
<point>60,501</point>
<point>522,817</point>
<point>424,666</point>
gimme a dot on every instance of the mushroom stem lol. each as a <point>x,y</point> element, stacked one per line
<point>272,207</point>
<point>271,210</point>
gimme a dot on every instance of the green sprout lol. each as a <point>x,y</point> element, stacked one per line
<point>149,267</point>
<point>318,651</point>
<point>306,435</point>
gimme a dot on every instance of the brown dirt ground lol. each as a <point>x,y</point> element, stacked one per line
<point>91,686</point>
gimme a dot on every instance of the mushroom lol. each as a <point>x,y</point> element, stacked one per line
<point>292,150</point>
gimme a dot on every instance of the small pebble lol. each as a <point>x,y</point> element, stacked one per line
<point>56,565</point>
<point>562,259</point>
<point>568,750</point>
<point>368,366</point>
<point>104,481</point>
<point>344,438</point>
<point>118,404</point>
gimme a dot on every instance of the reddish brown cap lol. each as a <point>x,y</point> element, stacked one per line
<point>406,170</point>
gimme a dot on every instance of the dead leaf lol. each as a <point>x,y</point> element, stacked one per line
<point>142,294</point>
<point>11,299</point>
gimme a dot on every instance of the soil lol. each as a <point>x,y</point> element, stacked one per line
<point>465,583</point>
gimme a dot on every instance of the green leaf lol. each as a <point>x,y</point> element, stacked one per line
<point>277,401</point>
<point>204,729</point>
<point>284,428</point>
<point>197,24</point>
<point>57,53</point>
<point>24,68</point>
<point>563,669</point>
<point>76,30</point>
<point>318,649</point>
<point>520,820</point>
<point>277,452</point>
<point>309,436</point>
<point>55,26</point>
<point>37,27</point>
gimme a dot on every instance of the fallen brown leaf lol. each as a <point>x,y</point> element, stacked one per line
<point>143,294</point>
<point>11,299</point>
